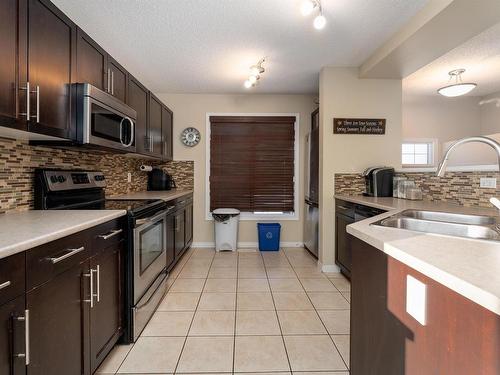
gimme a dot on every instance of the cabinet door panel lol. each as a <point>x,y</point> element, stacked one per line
<point>154,129</point>
<point>105,316</point>
<point>8,71</point>
<point>170,240</point>
<point>138,100</point>
<point>179,233</point>
<point>188,225</point>
<point>344,242</point>
<point>118,79</point>
<point>12,337</point>
<point>56,332</point>
<point>167,123</point>
<point>51,67</point>
<point>91,61</point>
<point>314,158</point>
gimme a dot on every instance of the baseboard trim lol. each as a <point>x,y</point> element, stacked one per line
<point>244,245</point>
<point>330,268</point>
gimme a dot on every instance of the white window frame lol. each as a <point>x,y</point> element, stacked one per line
<point>433,152</point>
<point>250,216</point>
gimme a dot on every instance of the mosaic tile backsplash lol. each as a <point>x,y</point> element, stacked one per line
<point>461,188</point>
<point>18,161</point>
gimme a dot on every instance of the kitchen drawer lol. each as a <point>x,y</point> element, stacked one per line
<point>344,208</point>
<point>45,262</point>
<point>12,277</point>
<point>106,235</point>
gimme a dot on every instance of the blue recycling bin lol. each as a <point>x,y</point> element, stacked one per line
<point>269,236</point>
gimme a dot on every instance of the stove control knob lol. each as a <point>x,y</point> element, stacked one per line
<point>61,179</point>
<point>53,179</point>
<point>99,177</point>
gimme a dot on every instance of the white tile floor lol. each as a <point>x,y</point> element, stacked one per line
<point>244,312</point>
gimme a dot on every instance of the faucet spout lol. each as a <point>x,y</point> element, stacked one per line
<point>486,140</point>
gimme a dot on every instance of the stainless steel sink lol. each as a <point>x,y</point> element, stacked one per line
<point>458,225</point>
<point>450,217</point>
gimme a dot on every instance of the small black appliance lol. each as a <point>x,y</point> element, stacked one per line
<point>158,179</point>
<point>378,181</point>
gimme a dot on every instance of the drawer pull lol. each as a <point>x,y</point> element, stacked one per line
<point>110,234</point>
<point>5,284</point>
<point>70,253</point>
<point>26,320</point>
<point>344,208</point>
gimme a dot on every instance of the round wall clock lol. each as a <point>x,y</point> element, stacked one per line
<point>190,137</point>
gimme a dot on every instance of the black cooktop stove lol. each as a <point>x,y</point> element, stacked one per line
<point>131,205</point>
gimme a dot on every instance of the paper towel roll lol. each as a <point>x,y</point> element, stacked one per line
<point>146,168</point>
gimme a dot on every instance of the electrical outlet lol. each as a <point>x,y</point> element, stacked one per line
<point>416,299</point>
<point>488,182</point>
<point>129,177</point>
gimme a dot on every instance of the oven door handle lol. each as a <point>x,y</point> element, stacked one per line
<point>148,220</point>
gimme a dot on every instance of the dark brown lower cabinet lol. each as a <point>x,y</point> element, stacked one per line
<point>459,338</point>
<point>343,243</point>
<point>188,219</point>
<point>179,232</point>
<point>106,314</point>
<point>170,241</point>
<point>56,312</point>
<point>12,333</point>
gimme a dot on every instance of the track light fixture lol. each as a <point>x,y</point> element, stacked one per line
<point>308,6</point>
<point>255,73</point>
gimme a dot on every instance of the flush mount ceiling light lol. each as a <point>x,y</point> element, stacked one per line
<point>308,6</point>
<point>255,73</point>
<point>458,88</point>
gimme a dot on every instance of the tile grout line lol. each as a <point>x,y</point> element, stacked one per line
<point>194,314</point>
<point>236,309</point>
<point>276,312</point>
<point>319,316</point>
<point>133,344</point>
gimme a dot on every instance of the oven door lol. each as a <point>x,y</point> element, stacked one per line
<point>150,252</point>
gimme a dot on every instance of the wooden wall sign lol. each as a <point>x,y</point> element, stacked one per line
<point>358,126</point>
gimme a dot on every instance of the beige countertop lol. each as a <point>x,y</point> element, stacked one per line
<point>24,230</point>
<point>469,267</point>
<point>166,195</point>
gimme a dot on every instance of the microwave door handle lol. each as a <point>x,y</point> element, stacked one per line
<point>131,131</point>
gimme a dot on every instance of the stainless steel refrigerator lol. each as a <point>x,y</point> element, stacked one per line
<point>311,201</point>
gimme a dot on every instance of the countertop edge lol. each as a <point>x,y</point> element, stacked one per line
<point>53,236</point>
<point>165,195</point>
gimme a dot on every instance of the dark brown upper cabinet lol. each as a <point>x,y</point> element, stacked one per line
<point>138,99</point>
<point>51,69</point>
<point>9,83</point>
<point>91,62</point>
<point>97,67</point>
<point>167,131</point>
<point>155,126</point>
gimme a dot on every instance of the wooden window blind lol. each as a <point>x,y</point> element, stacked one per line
<point>252,163</point>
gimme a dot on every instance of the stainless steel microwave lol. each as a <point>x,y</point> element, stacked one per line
<point>103,120</point>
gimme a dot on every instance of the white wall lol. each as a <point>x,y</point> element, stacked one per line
<point>343,94</point>
<point>490,115</point>
<point>191,110</point>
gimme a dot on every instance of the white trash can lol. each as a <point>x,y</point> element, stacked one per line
<point>226,228</point>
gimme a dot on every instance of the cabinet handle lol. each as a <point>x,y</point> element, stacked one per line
<point>28,92</point>
<point>92,294</point>
<point>98,273</point>
<point>37,92</point>
<point>26,320</point>
<point>112,83</point>
<point>5,284</point>
<point>110,234</point>
<point>344,208</point>
<point>109,80</point>
<point>70,253</point>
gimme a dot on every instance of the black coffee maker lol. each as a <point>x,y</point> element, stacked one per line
<point>158,179</point>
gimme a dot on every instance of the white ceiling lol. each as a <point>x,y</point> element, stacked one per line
<point>480,56</point>
<point>207,46</point>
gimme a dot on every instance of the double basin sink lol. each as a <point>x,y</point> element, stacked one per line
<point>451,224</point>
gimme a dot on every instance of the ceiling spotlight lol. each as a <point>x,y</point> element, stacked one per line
<point>255,73</point>
<point>458,88</point>
<point>319,22</point>
<point>307,7</point>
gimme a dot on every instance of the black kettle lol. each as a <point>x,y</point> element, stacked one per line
<point>158,179</point>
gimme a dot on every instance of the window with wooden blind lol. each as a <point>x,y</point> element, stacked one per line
<point>252,163</point>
